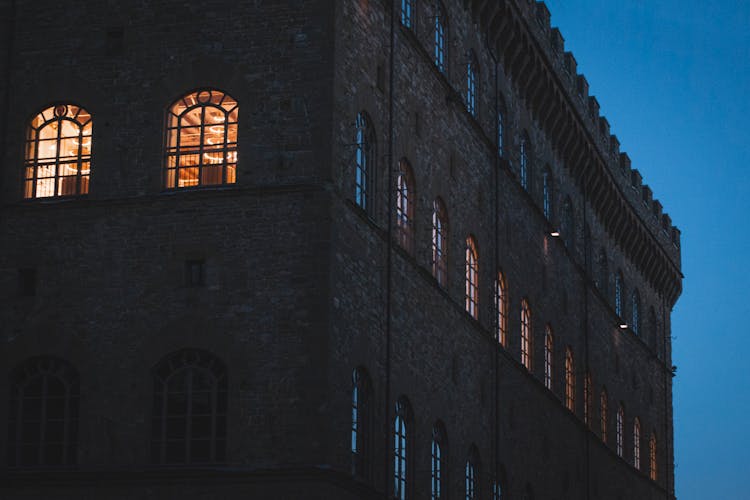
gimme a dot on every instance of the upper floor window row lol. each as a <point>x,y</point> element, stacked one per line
<point>200,146</point>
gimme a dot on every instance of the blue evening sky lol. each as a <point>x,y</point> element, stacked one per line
<point>673,79</point>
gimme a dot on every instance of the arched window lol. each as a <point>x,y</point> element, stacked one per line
<point>58,152</point>
<point>603,402</point>
<point>570,381</point>
<point>568,223</point>
<point>619,434</point>
<point>361,427</point>
<point>441,30</point>
<point>405,205</point>
<point>525,166</point>
<point>547,194</point>
<point>635,312</point>
<point>438,462</point>
<point>402,449</point>
<point>189,424</point>
<point>365,163</point>
<point>526,334</point>
<point>603,280</point>
<point>472,80</point>
<point>618,293</point>
<point>472,278</point>
<point>440,242</point>
<point>549,352</point>
<point>587,399</point>
<point>501,304</point>
<point>652,471</point>
<point>201,140</point>
<point>43,416</point>
<point>472,474</point>
<point>407,14</point>
<point>637,443</point>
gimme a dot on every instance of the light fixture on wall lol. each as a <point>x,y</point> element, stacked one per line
<point>623,326</point>
<point>555,233</point>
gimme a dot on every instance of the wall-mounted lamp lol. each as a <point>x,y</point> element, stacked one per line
<point>555,233</point>
<point>623,326</point>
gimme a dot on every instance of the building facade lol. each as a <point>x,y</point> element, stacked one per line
<point>312,249</point>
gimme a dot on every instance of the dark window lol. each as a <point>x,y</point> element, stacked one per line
<point>525,167</point>
<point>189,423</point>
<point>43,417</point>
<point>201,140</point>
<point>195,272</point>
<point>402,450</point>
<point>360,442</point>
<point>472,475</point>
<point>603,404</point>
<point>549,350</point>
<point>27,282</point>
<point>407,14</point>
<point>547,194</point>
<point>618,293</point>
<point>438,463</point>
<point>472,79</point>
<point>364,160</point>
<point>58,152</point>
<point>441,29</point>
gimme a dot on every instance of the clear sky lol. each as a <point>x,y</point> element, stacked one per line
<point>673,79</point>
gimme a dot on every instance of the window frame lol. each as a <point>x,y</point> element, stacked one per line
<point>438,461</point>
<point>524,153</point>
<point>402,441</point>
<point>472,85</point>
<point>405,199</point>
<point>549,352</point>
<point>472,278</point>
<point>620,431</point>
<point>570,380</point>
<point>361,422</point>
<point>603,413</point>
<point>637,443</point>
<point>501,307</point>
<point>441,37</point>
<point>526,335</point>
<point>440,242</point>
<point>407,14</point>
<point>364,163</point>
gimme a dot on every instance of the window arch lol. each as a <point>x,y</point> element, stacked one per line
<point>43,416</point>
<point>524,163</point>
<point>405,199</point>
<point>407,13</point>
<point>472,474</point>
<point>440,242</point>
<point>618,293</point>
<point>472,277</point>
<point>58,152</point>
<point>635,312</point>
<point>501,305</point>
<point>439,462</point>
<point>637,443</point>
<point>619,431</point>
<point>402,449</point>
<point>364,167</point>
<point>201,140</point>
<point>547,194</point>
<point>549,353</point>
<point>441,32</point>
<point>472,82</point>
<point>361,422</point>
<point>526,339</point>
<point>652,470</point>
<point>570,380</point>
<point>588,397</point>
<point>603,403</point>
<point>189,424</point>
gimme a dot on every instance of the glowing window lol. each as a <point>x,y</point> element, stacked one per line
<point>406,13</point>
<point>618,294</point>
<point>524,161</point>
<point>603,401</point>
<point>202,140</point>
<point>471,477</point>
<point>360,422</point>
<point>441,28</point>
<point>526,334</point>
<point>652,457</point>
<point>439,242</point>
<point>637,443</point>
<point>472,71</point>
<point>619,436</point>
<point>587,399</point>
<point>501,305</point>
<point>364,162</point>
<point>405,205</point>
<point>189,424</point>
<point>635,312</point>
<point>548,357</point>
<point>570,381</point>
<point>472,278</point>
<point>43,416</point>
<point>401,449</point>
<point>58,152</point>
<point>438,462</point>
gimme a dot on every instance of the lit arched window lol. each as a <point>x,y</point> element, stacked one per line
<point>652,457</point>
<point>440,242</point>
<point>501,304</point>
<point>58,152</point>
<point>361,427</point>
<point>364,162</point>
<point>618,293</point>
<point>570,381</point>
<point>549,352</point>
<point>526,334</point>
<point>472,278</point>
<point>438,462</point>
<point>401,449</point>
<point>619,435</point>
<point>472,474</point>
<point>525,153</point>
<point>43,416</point>
<point>441,30</point>
<point>635,312</point>
<point>587,399</point>
<point>189,424</point>
<point>472,79</point>
<point>547,194</point>
<point>603,402</point>
<point>407,14</point>
<point>405,205</point>
<point>637,443</point>
<point>202,140</point>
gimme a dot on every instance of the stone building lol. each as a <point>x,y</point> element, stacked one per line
<point>315,249</point>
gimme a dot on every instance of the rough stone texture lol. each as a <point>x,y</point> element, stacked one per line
<point>302,285</point>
